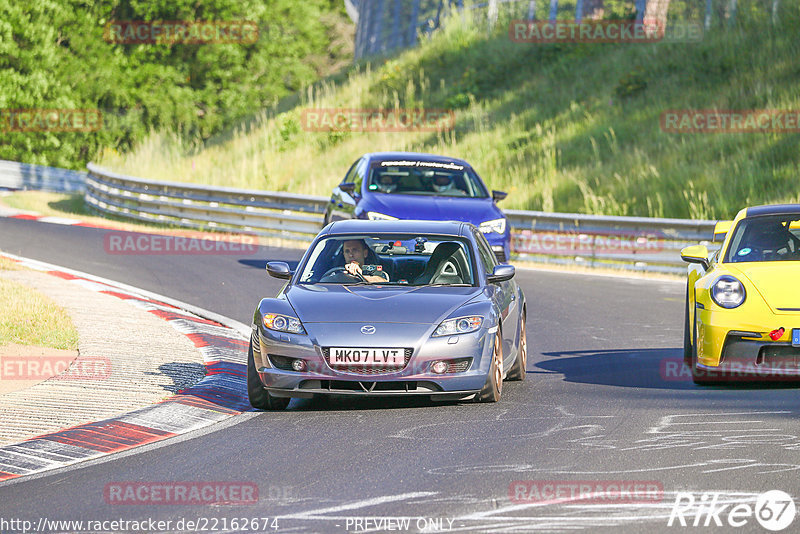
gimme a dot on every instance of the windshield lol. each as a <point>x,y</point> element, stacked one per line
<point>413,260</point>
<point>425,178</point>
<point>767,238</point>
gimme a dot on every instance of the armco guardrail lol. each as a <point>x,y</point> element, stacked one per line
<point>285,215</point>
<point>639,243</point>
<point>15,175</point>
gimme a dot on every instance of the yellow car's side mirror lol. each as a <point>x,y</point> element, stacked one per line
<point>696,254</point>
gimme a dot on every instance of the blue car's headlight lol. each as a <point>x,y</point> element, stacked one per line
<point>459,325</point>
<point>283,323</point>
<point>495,225</point>
<point>728,292</point>
<point>375,216</point>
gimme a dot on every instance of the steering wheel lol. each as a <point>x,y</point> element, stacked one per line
<point>340,271</point>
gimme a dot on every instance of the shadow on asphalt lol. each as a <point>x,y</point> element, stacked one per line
<point>183,374</point>
<point>637,368</point>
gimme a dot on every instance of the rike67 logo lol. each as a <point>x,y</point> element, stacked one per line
<point>774,510</point>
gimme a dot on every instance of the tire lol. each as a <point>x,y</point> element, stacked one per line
<point>687,346</point>
<point>518,371</point>
<point>258,396</point>
<point>493,388</point>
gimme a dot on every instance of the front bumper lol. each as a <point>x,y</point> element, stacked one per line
<point>415,379</point>
<point>730,347</point>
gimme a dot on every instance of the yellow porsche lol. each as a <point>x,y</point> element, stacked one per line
<point>743,300</point>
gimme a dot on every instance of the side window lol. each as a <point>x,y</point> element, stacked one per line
<point>484,252</point>
<point>351,174</point>
<point>360,174</point>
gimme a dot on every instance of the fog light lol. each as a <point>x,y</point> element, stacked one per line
<point>299,365</point>
<point>439,367</point>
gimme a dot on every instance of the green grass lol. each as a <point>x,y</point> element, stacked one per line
<point>561,127</point>
<point>27,317</point>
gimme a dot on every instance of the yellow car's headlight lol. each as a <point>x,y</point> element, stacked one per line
<point>728,292</point>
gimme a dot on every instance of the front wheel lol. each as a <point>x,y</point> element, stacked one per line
<point>493,389</point>
<point>517,372</point>
<point>258,396</point>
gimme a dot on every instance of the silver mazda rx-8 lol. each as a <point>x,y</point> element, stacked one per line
<point>389,308</point>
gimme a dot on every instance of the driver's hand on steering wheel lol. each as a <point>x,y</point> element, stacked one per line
<point>353,268</point>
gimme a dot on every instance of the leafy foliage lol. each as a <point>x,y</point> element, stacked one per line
<point>53,56</point>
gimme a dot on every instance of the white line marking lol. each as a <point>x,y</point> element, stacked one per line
<point>310,514</point>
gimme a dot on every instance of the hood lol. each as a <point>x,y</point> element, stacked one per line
<point>434,208</point>
<point>775,281</point>
<point>326,303</point>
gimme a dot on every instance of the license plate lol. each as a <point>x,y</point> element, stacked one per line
<point>796,337</point>
<point>370,357</point>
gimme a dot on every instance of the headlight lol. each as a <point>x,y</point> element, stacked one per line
<point>375,216</point>
<point>496,225</point>
<point>283,323</point>
<point>459,325</point>
<point>728,292</point>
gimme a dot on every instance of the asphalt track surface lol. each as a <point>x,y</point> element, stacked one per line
<point>602,402</point>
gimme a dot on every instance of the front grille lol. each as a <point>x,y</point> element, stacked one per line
<point>280,362</point>
<point>367,370</point>
<point>458,366</point>
<point>370,387</point>
<point>782,354</point>
<point>255,339</point>
<point>500,254</point>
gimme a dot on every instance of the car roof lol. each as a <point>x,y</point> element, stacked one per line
<point>356,226</point>
<point>421,156</point>
<point>773,209</point>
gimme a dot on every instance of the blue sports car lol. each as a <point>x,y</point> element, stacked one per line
<point>389,308</point>
<point>410,185</point>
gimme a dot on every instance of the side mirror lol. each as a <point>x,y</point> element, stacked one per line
<point>347,187</point>
<point>279,269</point>
<point>498,195</point>
<point>696,254</point>
<point>501,273</point>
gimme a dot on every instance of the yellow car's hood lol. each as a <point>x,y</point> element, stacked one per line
<point>778,282</point>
